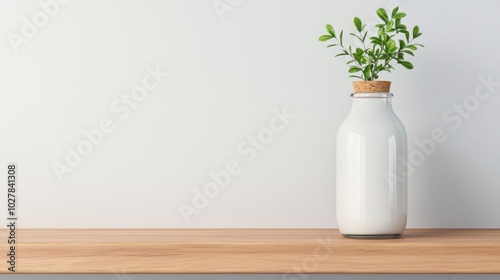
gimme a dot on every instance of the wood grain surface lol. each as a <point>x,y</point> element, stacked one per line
<point>251,251</point>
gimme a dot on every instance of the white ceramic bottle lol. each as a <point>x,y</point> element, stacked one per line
<point>371,169</point>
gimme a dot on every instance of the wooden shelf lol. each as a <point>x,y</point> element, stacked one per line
<point>252,251</point>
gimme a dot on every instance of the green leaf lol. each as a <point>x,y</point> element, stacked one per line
<point>415,31</point>
<point>332,45</point>
<point>408,52</point>
<point>395,11</point>
<point>389,25</point>
<point>341,54</point>
<point>391,46</point>
<point>382,14</point>
<point>399,16</point>
<point>407,35</point>
<point>358,24</point>
<point>383,38</point>
<point>325,38</point>
<point>406,64</point>
<point>357,58</point>
<point>354,69</point>
<point>367,72</point>
<point>402,44</point>
<point>354,76</point>
<point>330,30</point>
<point>375,41</point>
<point>341,35</point>
<point>397,23</point>
<point>411,47</point>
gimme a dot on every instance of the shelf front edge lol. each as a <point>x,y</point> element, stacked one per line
<point>251,251</point>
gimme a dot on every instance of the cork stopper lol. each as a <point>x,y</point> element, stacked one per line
<point>371,86</point>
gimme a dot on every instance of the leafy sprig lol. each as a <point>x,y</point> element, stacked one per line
<point>393,42</point>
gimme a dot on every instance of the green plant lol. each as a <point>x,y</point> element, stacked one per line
<point>393,42</point>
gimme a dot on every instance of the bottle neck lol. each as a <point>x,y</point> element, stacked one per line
<point>368,103</point>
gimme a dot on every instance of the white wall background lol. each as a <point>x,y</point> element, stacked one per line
<point>225,79</point>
